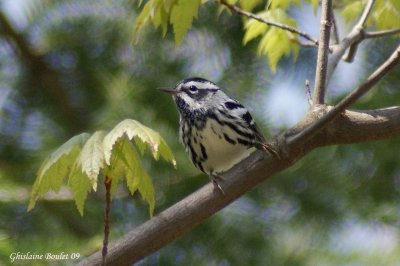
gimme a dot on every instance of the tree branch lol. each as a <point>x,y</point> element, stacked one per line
<point>349,57</point>
<point>201,204</point>
<point>351,40</point>
<point>388,65</point>
<point>377,34</point>
<point>240,11</point>
<point>323,51</point>
<point>365,14</point>
<point>335,30</point>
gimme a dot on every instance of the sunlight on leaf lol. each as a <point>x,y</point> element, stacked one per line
<point>182,16</point>
<point>179,13</point>
<point>84,158</point>
<point>254,29</point>
<point>134,129</point>
<point>248,5</point>
<point>91,158</point>
<point>275,43</point>
<point>55,168</point>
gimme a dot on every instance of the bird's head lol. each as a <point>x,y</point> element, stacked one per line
<point>196,94</point>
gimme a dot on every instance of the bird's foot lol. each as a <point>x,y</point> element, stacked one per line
<point>268,147</point>
<point>214,179</point>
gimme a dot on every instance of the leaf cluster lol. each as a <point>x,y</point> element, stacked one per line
<point>83,158</point>
<point>179,13</point>
<point>274,43</point>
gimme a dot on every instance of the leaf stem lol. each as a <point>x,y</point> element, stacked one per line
<point>107,184</point>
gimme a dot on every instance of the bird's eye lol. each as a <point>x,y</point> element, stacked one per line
<point>193,88</point>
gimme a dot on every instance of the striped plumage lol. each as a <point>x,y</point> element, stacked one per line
<point>216,130</point>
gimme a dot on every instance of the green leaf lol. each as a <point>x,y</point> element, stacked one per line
<point>275,42</point>
<point>142,20</point>
<point>91,158</point>
<point>254,29</point>
<point>284,4</point>
<point>386,14</point>
<point>182,16</point>
<point>134,129</point>
<point>314,4</point>
<point>56,167</point>
<point>84,158</point>
<point>353,10</point>
<point>249,5</point>
<point>126,160</point>
<point>161,18</point>
<point>123,160</point>
<point>80,185</point>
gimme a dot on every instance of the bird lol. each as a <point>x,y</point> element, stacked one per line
<point>216,130</point>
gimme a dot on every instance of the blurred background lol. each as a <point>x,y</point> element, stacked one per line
<point>71,66</point>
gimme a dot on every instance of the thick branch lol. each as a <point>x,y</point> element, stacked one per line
<point>388,65</point>
<point>186,214</point>
<point>352,126</point>
<point>323,51</point>
<point>240,11</point>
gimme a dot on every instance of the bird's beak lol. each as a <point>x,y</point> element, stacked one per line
<point>168,90</point>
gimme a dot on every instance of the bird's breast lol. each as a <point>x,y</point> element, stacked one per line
<point>214,148</point>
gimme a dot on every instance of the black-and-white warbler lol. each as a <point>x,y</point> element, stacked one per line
<point>216,130</point>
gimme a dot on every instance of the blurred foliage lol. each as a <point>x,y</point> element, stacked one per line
<point>385,14</point>
<point>70,66</point>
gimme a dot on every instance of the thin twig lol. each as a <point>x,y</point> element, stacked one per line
<point>304,44</point>
<point>377,34</point>
<point>349,57</point>
<point>388,65</point>
<point>366,12</point>
<point>323,51</point>
<point>335,30</point>
<point>308,92</point>
<point>240,11</point>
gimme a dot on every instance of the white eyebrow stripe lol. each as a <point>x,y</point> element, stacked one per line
<point>203,85</point>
